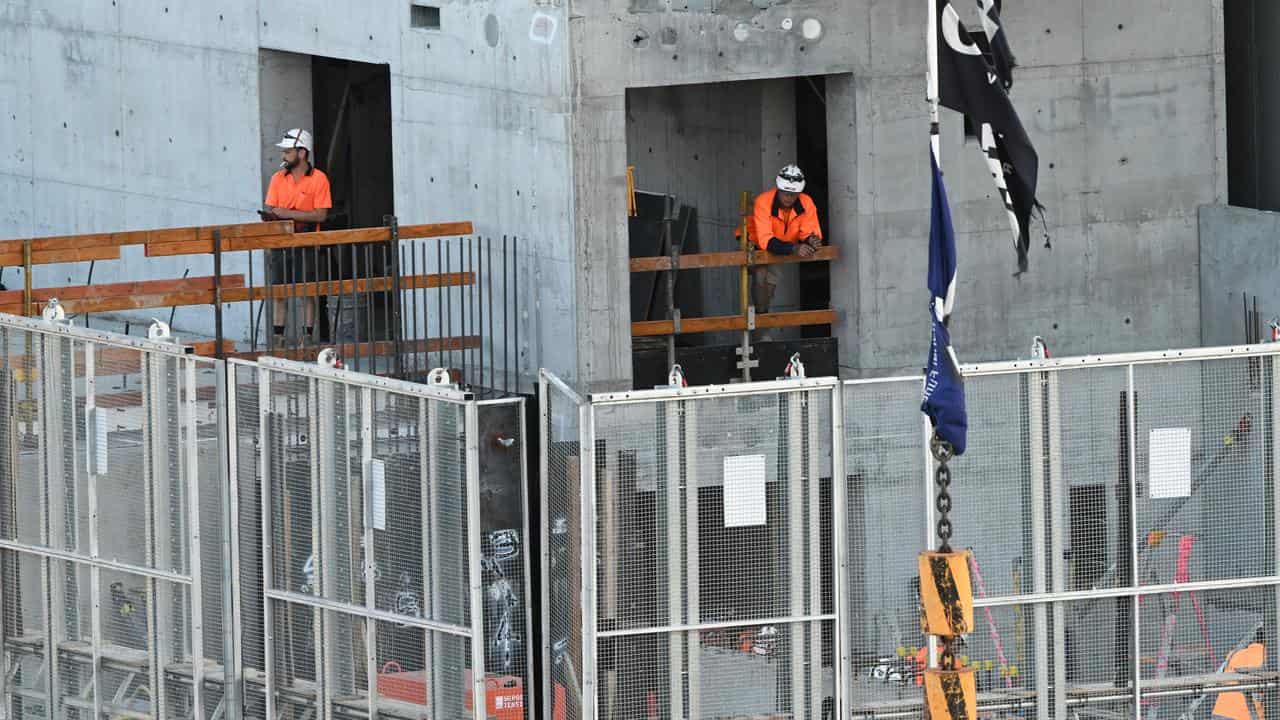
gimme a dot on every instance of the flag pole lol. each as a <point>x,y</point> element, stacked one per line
<point>931,80</point>
<point>931,93</point>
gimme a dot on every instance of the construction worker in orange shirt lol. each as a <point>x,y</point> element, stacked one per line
<point>784,222</point>
<point>1238,705</point>
<point>298,192</point>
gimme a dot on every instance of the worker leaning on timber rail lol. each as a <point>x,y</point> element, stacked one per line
<point>298,192</point>
<point>784,222</point>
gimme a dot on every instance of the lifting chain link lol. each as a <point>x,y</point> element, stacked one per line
<point>942,453</point>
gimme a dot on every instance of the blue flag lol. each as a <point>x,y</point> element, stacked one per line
<point>943,387</point>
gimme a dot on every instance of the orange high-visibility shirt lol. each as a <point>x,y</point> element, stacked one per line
<point>309,193</point>
<point>790,225</point>
<point>1234,705</point>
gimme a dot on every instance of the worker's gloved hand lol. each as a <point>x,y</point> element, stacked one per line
<point>814,241</point>
<point>805,250</point>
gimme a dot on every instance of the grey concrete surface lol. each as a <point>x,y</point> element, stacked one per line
<point>1239,255</point>
<point>146,114</point>
<point>513,115</point>
<point>1125,106</point>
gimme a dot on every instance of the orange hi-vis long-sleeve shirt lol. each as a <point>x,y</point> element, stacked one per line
<point>789,225</point>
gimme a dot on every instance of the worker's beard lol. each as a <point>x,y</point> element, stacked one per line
<point>289,165</point>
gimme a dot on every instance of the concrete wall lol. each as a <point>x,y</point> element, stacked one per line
<point>1126,108</point>
<point>146,114</point>
<point>1239,254</point>
<point>140,115</point>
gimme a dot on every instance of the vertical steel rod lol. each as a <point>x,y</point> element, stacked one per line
<point>506,323</point>
<point>493,357</point>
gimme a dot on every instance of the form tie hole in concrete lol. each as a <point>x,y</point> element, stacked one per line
<point>640,39</point>
<point>1055,326</point>
<point>1050,166</point>
<point>1127,321</point>
<point>118,135</point>
<point>64,125</point>
<point>1048,31</point>
<point>1120,26</point>
<point>675,57</point>
<point>1124,161</point>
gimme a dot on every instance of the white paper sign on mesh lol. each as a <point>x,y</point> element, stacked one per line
<point>1169,463</point>
<point>744,491</point>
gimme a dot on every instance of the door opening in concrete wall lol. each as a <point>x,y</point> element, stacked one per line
<point>347,107</point>
<point>697,151</point>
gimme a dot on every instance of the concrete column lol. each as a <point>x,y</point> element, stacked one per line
<point>601,243</point>
<point>846,227</point>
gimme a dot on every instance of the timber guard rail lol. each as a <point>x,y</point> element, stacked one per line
<point>373,282</point>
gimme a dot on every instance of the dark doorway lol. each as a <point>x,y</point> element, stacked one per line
<point>351,102</point>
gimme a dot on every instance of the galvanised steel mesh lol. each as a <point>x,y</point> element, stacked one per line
<point>367,496</point>
<point>715,587</point>
<point>112,493</point>
<point>563,541</point>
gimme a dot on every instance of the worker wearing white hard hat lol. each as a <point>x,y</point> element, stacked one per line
<point>784,221</point>
<point>298,192</point>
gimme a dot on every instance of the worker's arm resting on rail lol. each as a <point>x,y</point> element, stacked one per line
<point>318,215</point>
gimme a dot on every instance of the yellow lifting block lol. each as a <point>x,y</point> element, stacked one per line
<point>951,694</point>
<point>946,594</point>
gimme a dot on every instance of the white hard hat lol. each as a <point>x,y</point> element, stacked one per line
<point>298,138</point>
<point>790,179</point>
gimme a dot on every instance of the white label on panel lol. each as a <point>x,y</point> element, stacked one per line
<point>378,478</point>
<point>1169,463</point>
<point>744,491</point>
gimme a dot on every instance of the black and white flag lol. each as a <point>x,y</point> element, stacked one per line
<point>999,54</point>
<point>968,83</point>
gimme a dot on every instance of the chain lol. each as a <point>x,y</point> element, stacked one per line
<point>942,453</point>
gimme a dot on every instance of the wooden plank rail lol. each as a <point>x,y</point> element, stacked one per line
<point>198,240</point>
<point>121,296</point>
<point>106,246</point>
<point>731,259</point>
<point>151,294</point>
<point>325,238</point>
<point>347,287</point>
<point>367,349</point>
<point>723,323</point>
